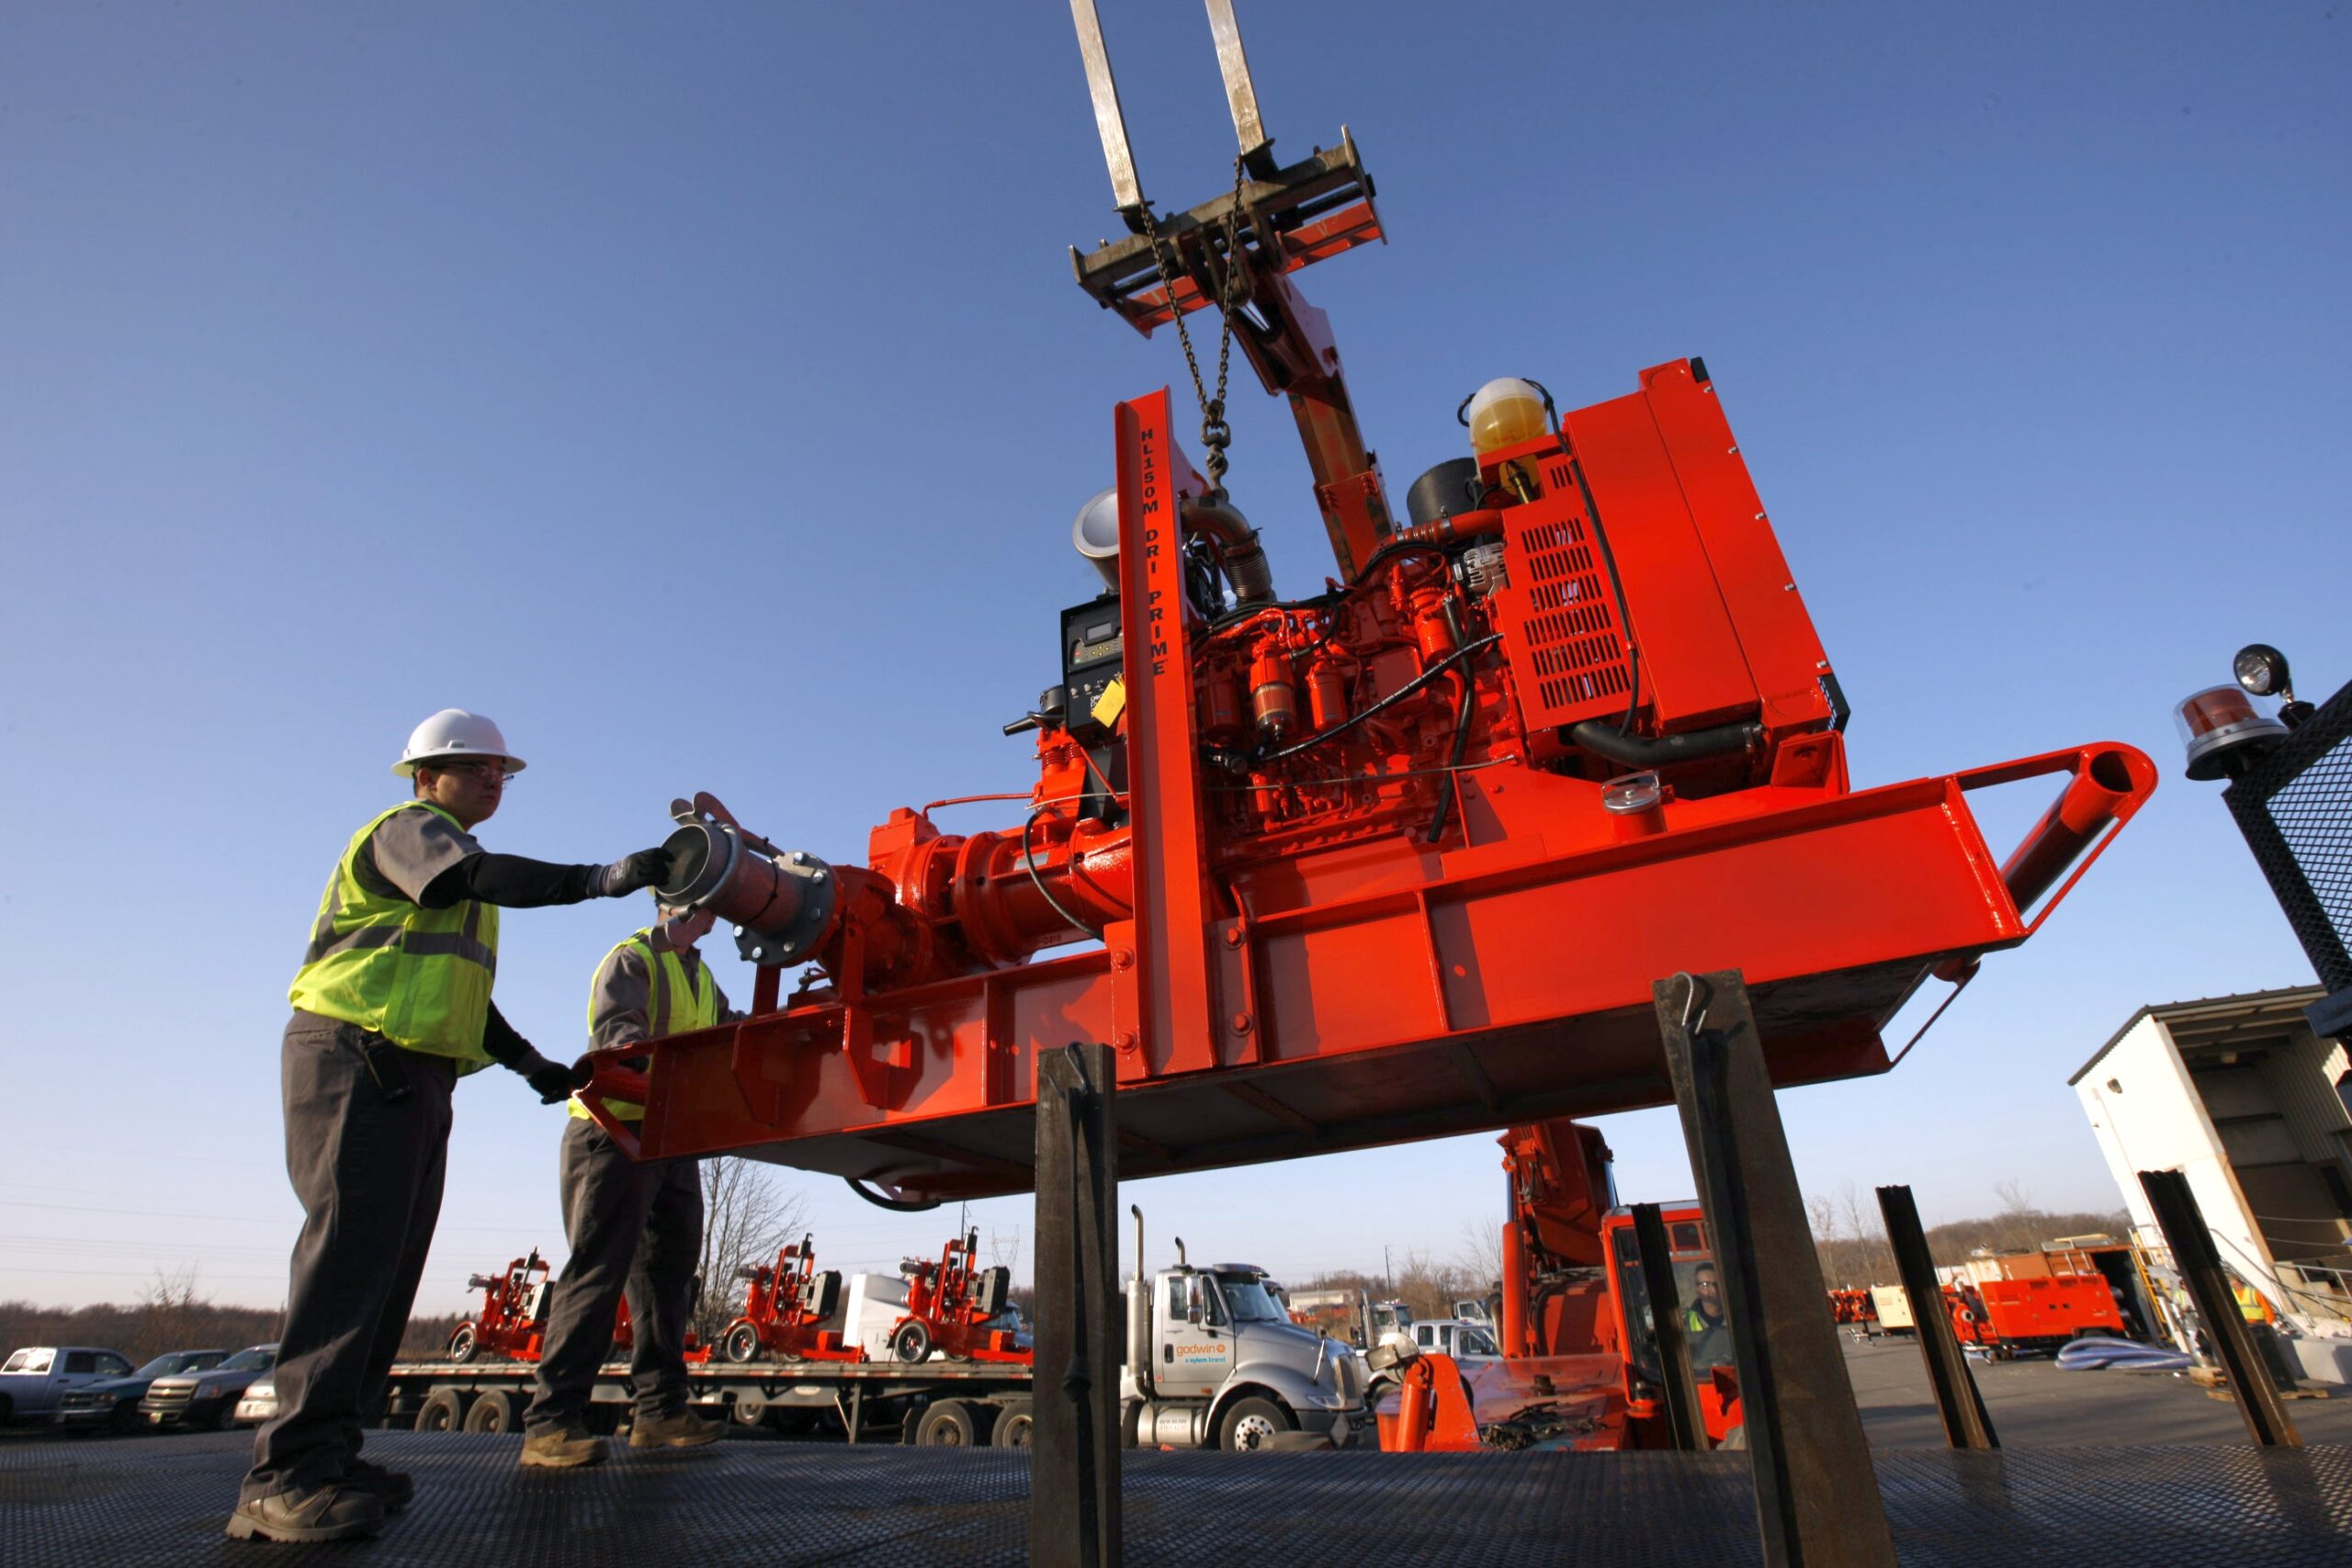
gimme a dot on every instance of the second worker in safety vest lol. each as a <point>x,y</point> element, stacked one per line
<point>635,1227</point>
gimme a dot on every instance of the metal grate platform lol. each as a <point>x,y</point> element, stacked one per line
<point>164,1500</point>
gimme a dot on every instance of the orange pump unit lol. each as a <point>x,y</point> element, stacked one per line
<point>513,1315</point>
<point>783,1307</point>
<point>950,1305</point>
<point>1394,857</point>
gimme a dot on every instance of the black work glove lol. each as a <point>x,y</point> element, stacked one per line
<point>554,1080</point>
<point>627,874</point>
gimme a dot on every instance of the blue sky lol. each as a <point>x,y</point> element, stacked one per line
<point>701,391</point>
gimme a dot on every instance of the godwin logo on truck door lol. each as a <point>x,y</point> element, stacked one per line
<point>1214,1350</point>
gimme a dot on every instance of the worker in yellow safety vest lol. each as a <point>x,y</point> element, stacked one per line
<point>391,1007</point>
<point>1706,1328</point>
<point>635,1226</point>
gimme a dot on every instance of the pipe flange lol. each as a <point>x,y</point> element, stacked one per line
<point>819,895</point>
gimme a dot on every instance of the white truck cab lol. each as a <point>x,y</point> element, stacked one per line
<point>1214,1360</point>
<point>1467,1342</point>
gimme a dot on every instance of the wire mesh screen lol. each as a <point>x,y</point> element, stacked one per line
<point>2295,809</point>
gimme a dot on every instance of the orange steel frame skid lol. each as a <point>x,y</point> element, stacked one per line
<point>1385,991</point>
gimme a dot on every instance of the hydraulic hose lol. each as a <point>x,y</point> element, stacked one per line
<point>896,1205</point>
<point>1639,751</point>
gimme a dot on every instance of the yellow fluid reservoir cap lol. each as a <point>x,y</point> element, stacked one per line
<point>1504,411</point>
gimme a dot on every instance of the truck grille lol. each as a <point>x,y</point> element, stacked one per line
<point>166,1401</point>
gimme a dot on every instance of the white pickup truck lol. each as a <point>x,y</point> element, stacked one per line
<point>1467,1341</point>
<point>33,1380</point>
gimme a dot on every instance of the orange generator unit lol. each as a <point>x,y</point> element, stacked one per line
<point>1388,855</point>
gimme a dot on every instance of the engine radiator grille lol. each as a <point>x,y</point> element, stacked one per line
<point>1558,615</point>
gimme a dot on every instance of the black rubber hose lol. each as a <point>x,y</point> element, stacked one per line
<point>1638,751</point>
<point>896,1205</point>
<point>1454,760</point>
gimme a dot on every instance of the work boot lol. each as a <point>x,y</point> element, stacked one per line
<point>684,1430</point>
<point>565,1448</point>
<point>321,1513</point>
<point>392,1488</point>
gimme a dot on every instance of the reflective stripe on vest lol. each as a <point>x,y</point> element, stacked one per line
<point>673,1005</point>
<point>419,977</point>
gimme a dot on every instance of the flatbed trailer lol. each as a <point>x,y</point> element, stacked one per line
<point>935,1402</point>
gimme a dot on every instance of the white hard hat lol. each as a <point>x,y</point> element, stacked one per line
<point>454,732</point>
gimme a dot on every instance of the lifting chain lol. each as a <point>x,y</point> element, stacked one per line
<point>1216,434</point>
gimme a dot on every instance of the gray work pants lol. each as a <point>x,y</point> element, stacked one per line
<point>635,1230</point>
<point>367,1137</point>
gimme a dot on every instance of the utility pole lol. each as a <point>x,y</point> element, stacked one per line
<point>1388,1270</point>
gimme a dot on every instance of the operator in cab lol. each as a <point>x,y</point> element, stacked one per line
<point>1706,1327</point>
<point>391,1007</point>
<point>635,1227</point>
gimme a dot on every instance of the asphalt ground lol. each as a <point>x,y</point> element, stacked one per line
<point>2032,1404</point>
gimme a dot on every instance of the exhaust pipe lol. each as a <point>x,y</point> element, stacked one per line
<point>1139,1315</point>
<point>1245,558</point>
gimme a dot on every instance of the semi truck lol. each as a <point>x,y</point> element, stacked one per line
<point>1215,1360</point>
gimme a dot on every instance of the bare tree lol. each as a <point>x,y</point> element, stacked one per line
<point>748,1216</point>
<point>1872,1258</point>
<point>171,1312</point>
<point>2019,1221</point>
<point>1478,1257</point>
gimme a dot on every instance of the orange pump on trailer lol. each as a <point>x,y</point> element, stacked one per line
<point>783,1307</point>
<point>1395,857</point>
<point>950,1305</point>
<point>513,1315</point>
<point>512,1320</point>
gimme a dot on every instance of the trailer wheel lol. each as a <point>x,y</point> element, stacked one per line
<point>1247,1423</point>
<point>742,1341</point>
<point>748,1410</point>
<point>949,1424</point>
<point>1013,1425</point>
<point>444,1410</point>
<point>913,1341</point>
<point>494,1411</point>
<point>462,1343</point>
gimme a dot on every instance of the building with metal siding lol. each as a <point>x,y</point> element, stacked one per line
<point>2239,1095</point>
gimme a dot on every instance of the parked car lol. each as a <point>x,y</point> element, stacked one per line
<point>112,1403</point>
<point>258,1403</point>
<point>208,1399</point>
<point>33,1380</point>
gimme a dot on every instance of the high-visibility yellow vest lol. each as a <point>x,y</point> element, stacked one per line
<point>419,977</point>
<point>675,1006</point>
